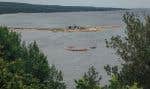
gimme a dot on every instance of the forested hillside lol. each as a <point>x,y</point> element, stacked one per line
<point>10,7</point>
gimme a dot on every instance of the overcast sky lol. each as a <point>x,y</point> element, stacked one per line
<point>97,3</point>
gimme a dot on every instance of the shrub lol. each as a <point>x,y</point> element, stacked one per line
<point>25,67</point>
<point>134,49</point>
<point>90,80</point>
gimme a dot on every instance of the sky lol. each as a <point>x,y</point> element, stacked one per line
<point>95,3</point>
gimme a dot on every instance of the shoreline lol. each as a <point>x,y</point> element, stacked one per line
<point>81,29</point>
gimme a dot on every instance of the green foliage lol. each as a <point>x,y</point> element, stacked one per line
<point>12,76</point>
<point>134,49</point>
<point>55,80</point>
<point>25,67</point>
<point>9,44</point>
<point>90,80</point>
<point>135,86</point>
<point>115,84</point>
<point>35,62</point>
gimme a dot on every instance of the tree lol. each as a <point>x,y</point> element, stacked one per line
<point>134,49</point>
<point>55,80</point>
<point>115,84</point>
<point>90,80</point>
<point>25,66</point>
<point>35,62</point>
<point>12,76</point>
<point>9,44</point>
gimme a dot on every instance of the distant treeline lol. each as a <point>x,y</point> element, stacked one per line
<point>11,7</point>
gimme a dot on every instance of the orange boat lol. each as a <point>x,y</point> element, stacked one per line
<point>76,49</point>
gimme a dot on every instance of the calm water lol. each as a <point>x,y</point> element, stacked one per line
<point>73,64</point>
<point>61,19</point>
<point>44,20</point>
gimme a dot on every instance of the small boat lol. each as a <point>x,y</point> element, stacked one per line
<point>76,49</point>
<point>92,47</point>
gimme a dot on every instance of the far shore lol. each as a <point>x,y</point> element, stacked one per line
<point>81,29</point>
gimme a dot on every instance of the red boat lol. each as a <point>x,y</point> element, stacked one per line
<point>72,48</point>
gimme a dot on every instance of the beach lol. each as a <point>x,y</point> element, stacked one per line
<point>81,29</point>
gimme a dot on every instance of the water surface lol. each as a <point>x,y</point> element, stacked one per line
<point>74,64</point>
<point>52,20</point>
